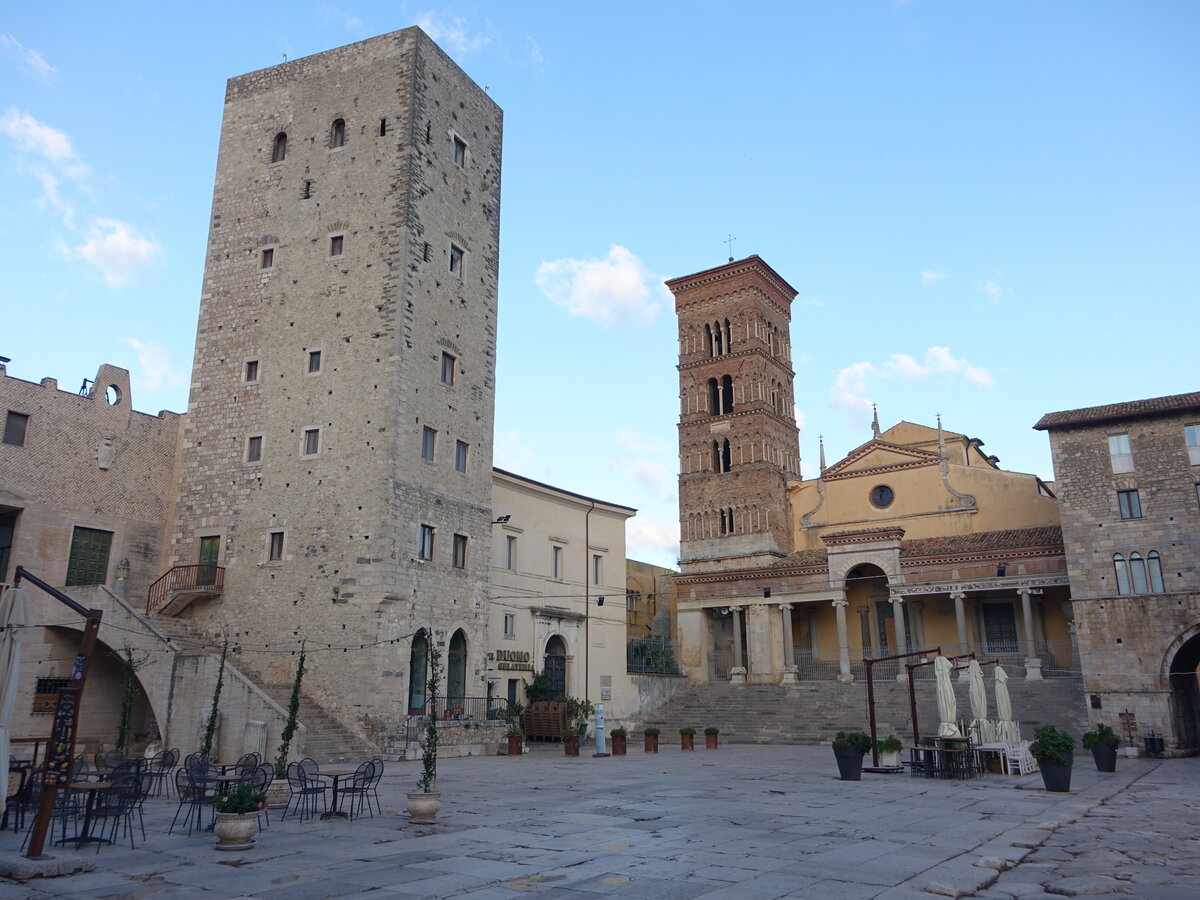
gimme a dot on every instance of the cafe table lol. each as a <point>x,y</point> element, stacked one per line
<point>336,775</point>
<point>92,789</point>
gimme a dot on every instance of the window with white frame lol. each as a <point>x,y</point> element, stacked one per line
<point>312,441</point>
<point>1191,434</point>
<point>254,445</point>
<point>510,625</point>
<point>275,546</point>
<point>267,260</point>
<point>1120,453</point>
<point>314,362</point>
<point>428,443</point>
<point>250,373</point>
<point>425,548</point>
<point>337,245</point>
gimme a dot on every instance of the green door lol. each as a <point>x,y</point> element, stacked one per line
<point>210,551</point>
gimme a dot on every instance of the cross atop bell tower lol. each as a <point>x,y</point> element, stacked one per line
<point>738,442</point>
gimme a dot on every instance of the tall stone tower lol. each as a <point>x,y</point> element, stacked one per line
<point>738,443</point>
<point>337,458</point>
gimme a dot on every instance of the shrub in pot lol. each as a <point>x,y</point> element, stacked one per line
<point>1103,742</point>
<point>570,740</point>
<point>889,751</point>
<point>516,740</point>
<point>1052,749</point>
<point>710,738</point>
<point>687,738</point>
<point>619,738</point>
<point>651,739</point>
<point>848,750</point>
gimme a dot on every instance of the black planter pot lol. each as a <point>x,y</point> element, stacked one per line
<point>1056,776</point>
<point>849,763</point>
<point>1105,757</point>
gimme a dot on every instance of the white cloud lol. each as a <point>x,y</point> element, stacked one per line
<point>33,136</point>
<point>157,369</point>
<point>654,477</point>
<point>116,250</point>
<point>452,33</point>
<point>929,276</point>
<point>992,288</point>
<point>30,60</point>
<point>535,52</point>
<point>512,452</point>
<point>630,440</point>
<point>799,414</point>
<point>938,361</point>
<point>615,290</point>
<point>850,389</point>
<point>337,14</point>
<point>655,536</point>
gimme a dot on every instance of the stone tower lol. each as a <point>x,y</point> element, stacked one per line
<point>337,458</point>
<point>738,442</point>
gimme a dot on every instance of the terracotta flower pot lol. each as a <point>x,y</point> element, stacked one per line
<point>571,745</point>
<point>710,741</point>
<point>515,742</point>
<point>618,744</point>
<point>235,831</point>
<point>687,742</point>
<point>651,745</point>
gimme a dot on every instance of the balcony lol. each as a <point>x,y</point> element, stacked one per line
<point>181,585</point>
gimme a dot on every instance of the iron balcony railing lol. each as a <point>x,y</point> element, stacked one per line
<point>457,709</point>
<point>203,577</point>
<point>652,655</point>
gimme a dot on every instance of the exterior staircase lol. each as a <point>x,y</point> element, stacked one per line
<point>813,712</point>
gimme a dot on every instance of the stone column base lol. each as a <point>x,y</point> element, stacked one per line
<point>1033,669</point>
<point>902,674</point>
<point>789,675</point>
<point>846,677</point>
<point>737,675</point>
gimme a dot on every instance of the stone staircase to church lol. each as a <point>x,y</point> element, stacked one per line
<point>813,712</point>
<point>325,740</point>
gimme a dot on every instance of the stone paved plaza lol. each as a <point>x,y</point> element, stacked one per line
<point>742,821</point>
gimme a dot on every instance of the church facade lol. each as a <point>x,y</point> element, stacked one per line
<point>916,539</point>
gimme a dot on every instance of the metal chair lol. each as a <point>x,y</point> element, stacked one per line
<point>260,779</point>
<point>305,791</point>
<point>196,795</point>
<point>376,776</point>
<point>119,804</point>
<point>159,771</point>
<point>358,790</point>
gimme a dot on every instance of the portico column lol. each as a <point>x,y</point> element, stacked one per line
<point>960,619</point>
<point>789,651</point>
<point>737,674</point>
<point>901,633</point>
<point>844,675</point>
<point>1033,664</point>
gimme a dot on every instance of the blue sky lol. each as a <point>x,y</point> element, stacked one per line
<point>988,209</point>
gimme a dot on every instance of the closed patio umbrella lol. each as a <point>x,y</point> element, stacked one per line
<point>978,694</point>
<point>947,704</point>
<point>1005,726</point>
<point>14,617</point>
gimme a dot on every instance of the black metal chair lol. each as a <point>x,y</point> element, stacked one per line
<point>357,792</point>
<point>16,801</point>
<point>196,794</point>
<point>376,776</point>
<point>260,779</point>
<point>305,791</point>
<point>118,805</point>
<point>159,770</point>
<point>68,807</point>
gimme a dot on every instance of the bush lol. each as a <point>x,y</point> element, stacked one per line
<point>620,732</point>
<point>890,744</point>
<point>655,732</point>
<point>1050,743</point>
<point>855,740</point>
<point>688,730</point>
<point>711,730</point>
<point>1102,735</point>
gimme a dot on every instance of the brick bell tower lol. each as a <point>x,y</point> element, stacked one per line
<point>738,442</point>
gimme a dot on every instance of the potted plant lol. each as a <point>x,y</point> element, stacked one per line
<point>578,713</point>
<point>687,738</point>
<point>237,812</point>
<point>1052,749</point>
<point>279,792</point>
<point>516,741</point>
<point>848,750</point>
<point>425,801</point>
<point>619,736</point>
<point>1103,743</point>
<point>889,751</point>
<point>710,738</point>
<point>650,736</point>
<point>570,741</point>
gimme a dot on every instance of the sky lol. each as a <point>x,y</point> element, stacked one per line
<point>988,209</point>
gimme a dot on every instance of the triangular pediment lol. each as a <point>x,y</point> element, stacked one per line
<point>878,455</point>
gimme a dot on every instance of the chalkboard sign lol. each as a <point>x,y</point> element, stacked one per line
<point>62,737</point>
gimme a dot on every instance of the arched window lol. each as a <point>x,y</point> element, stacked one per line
<point>1154,564</point>
<point>1137,574</point>
<point>418,673</point>
<point>279,150</point>
<point>456,670</point>
<point>714,397</point>
<point>728,337</point>
<point>718,341</point>
<point>727,394</point>
<point>708,339</point>
<point>721,456</point>
<point>1122,571</point>
<point>337,134</point>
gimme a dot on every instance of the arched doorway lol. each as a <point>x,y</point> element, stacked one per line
<point>418,673</point>
<point>456,670</point>
<point>867,589</point>
<point>1185,692</point>
<point>555,665</point>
